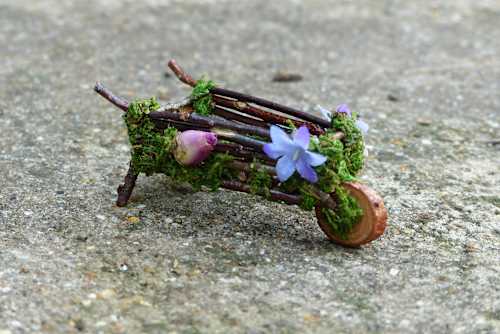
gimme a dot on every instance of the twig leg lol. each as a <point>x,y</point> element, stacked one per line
<point>125,190</point>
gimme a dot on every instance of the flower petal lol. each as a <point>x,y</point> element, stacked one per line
<point>306,171</point>
<point>193,146</point>
<point>314,159</point>
<point>301,137</point>
<point>327,114</point>
<point>273,151</point>
<point>280,137</point>
<point>343,109</point>
<point>362,126</point>
<point>285,167</point>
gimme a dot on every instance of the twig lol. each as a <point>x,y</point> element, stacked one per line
<point>186,78</point>
<point>271,105</point>
<point>243,152</point>
<point>324,198</point>
<point>179,72</point>
<point>125,190</point>
<point>195,119</point>
<point>248,167</point>
<point>239,139</point>
<point>275,194</point>
<point>108,95</point>
<point>176,105</point>
<point>211,122</point>
<point>265,115</point>
<point>229,114</point>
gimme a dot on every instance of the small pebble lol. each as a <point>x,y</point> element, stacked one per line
<point>283,76</point>
<point>86,302</point>
<point>78,324</point>
<point>100,324</point>
<point>424,122</point>
<point>394,272</point>
<point>133,219</point>
<point>471,247</point>
<point>392,98</point>
<point>82,238</point>
<point>163,93</point>
<point>106,294</point>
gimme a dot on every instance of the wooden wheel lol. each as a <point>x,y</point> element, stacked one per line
<point>372,224</point>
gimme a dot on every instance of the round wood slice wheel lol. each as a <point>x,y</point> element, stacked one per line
<point>372,224</point>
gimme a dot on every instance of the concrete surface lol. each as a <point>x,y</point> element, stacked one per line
<point>425,76</point>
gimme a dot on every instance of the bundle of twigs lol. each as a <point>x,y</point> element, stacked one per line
<point>237,118</point>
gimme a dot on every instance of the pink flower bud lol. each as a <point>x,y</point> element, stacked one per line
<point>192,146</point>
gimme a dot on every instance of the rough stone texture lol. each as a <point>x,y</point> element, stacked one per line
<point>425,76</point>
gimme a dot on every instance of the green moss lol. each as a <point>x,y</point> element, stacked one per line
<point>353,142</point>
<point>290,124</point>
<point>260,182</point>
<point>346,214</point>
<point>149,146</point>
<point>151,151</point>
<point>210,173</point>
<point>202,99</point>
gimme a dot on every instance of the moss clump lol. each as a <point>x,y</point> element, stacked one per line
<point>150,147</point>
<point>345,161</point>
<point>151,151</point>
<point>201,97</point>
<point>353,142</point>
<point>260,182</point>
<point>209,173</point>
<point>346,214</point>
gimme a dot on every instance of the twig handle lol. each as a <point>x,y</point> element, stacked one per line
<point>108,95</point>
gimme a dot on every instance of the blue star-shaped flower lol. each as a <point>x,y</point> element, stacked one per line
<point>293,154</point>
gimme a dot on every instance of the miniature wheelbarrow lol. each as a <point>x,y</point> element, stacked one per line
<point>218,138</point>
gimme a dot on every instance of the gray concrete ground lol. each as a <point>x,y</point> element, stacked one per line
<point>425,76</point>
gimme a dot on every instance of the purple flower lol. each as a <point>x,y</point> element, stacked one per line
<point>327,114</point>
<point>293,154</point>
<point>192,146</point>
<point>344,109</point>
<point>361,125</point>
